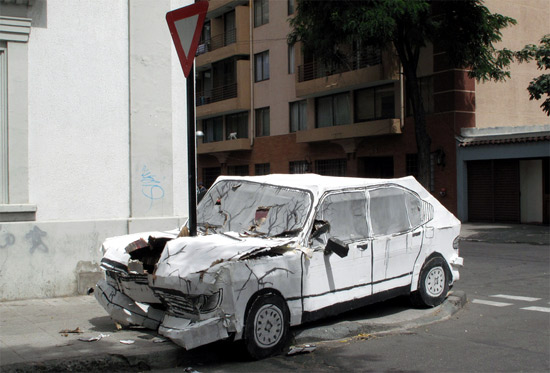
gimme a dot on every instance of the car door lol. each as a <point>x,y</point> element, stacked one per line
<point>332,278</point>
<point>395,217</point>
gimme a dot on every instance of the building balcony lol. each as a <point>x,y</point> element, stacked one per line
<point>225,44</point>
<point>314,79</point>
<point>224,146</point>
<point>218,7</point>
<point>350,131</point>
<point>226,99</point>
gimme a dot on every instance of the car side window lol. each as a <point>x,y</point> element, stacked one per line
<point>414,209</point>
<point>388,211</point>
<point>346,214</point>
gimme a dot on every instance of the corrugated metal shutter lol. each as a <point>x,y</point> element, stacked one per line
<point>507,191</point>
<point>494,191</point>
<point>480,191</point>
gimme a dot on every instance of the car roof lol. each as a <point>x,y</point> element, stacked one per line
<point>319,184</point>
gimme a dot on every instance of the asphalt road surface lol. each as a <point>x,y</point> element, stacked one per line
<point>505,326</point>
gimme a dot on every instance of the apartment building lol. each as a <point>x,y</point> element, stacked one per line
<point>264,107</point>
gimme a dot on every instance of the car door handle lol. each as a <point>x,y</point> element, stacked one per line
<point>416,234</point>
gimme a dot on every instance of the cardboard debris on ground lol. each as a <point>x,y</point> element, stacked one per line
<point>66,332</point>
<point>93,339</point>
<point>301,349</point>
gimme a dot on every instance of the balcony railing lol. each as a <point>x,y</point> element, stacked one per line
<point>210,96</point>
<point>216,42</point>
<point>315,70</point>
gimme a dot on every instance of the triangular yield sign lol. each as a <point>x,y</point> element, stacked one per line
<point>185,26</point>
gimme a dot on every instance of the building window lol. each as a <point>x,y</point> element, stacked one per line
<point>331,167</point>
<point>261,12</point>
<point>375,103</point>
<point>261,66</point>
<point>333,110</point>
<point>377,167</point>
<point>3,128</point>
<point>298,167</point>
<point>290,6</point>
<point>262,122</point>
<point>411,165</point>
<point>212,129</point>
<point>241,170</point>
<point>291,61</point>
<point>298,115</point>
<point>229,28</point>
<point>209,175</point>
<point>237,126</point>
<point>14,85</point>
<point>262,169</point>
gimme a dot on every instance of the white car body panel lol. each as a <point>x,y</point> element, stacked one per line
<point>201,287</point>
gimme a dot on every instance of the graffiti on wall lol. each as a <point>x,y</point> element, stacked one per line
<point>151,186</point>
<point>6,239</point>
<point>35,236</point>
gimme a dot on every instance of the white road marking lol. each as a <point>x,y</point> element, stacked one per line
<point>540,309</point>
<point>491,303</point>
<point>515,297</point>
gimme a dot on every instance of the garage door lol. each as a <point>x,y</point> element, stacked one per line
<point>494,191</point>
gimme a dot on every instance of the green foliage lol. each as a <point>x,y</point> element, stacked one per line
<point>465,29</point>
<point>540,85</point>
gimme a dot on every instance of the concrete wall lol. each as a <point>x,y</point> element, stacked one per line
<point>530,176</point>
<point>107,147</point>
<point>507,104</point>
<point>279,89</point>
<point>78,111</point>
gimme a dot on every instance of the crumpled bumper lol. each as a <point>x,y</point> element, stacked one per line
<point>193,334</point>
<point>456,263</point>
<point>124,310</point>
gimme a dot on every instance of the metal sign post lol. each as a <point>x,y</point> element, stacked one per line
<point>185,26</point>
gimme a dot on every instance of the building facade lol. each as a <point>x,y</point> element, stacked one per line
<point>263,107</point>
<point>93,136</point>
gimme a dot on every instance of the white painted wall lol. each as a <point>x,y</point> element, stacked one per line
<point>530,176</point>
<point>78,111</point>
<point>106,116</point>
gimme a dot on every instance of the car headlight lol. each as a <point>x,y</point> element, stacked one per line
<point>207,303</point>
<point>455,243</point>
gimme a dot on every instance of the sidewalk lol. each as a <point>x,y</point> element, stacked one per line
<point>506,233</point>
<point>30,338</point>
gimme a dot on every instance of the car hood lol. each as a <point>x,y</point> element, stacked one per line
<point>187,255</point>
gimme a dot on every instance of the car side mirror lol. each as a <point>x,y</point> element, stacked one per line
<point>320,227</point>
<point>339,247</point>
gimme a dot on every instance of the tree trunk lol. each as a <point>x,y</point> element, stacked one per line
<point>423,140</point>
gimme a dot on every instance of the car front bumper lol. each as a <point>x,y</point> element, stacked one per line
<point>124,310</point>
<point>190,334</point>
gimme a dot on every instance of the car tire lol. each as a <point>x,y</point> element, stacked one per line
<point>433,284</point>
<point>266,327</point>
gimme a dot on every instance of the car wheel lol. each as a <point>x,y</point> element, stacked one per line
<point>266,326</point>
<point>433,284</point>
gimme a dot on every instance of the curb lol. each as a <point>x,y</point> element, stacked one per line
<point>172,355</point>
<point>348,329</point>
<point>103,362</point>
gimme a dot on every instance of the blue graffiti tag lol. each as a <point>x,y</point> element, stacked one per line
<point>150,186</point>
<point>6,239</point>
<point>35,236</point>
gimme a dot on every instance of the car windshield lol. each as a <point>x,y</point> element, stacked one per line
<point>253,208</point>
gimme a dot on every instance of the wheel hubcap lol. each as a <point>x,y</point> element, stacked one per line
<point>435,282</point>
<point>268,326</point>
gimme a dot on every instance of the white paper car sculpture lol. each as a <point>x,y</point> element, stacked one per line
<point>280,250</point>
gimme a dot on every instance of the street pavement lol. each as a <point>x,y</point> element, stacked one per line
<point>53,334</point>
